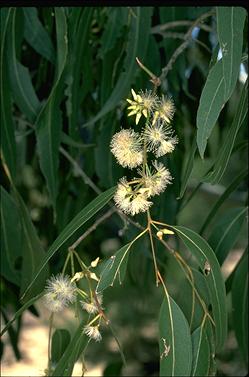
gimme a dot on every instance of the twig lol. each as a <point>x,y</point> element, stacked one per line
<point>92,228</point>
<point>184,45</point>
<point>159,29</point>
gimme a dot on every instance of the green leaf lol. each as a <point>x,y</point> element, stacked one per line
<point>136,46</point>
<point>36,35</point>
<point>174,340</point>
<point>234,184</point>
<point>65,139</point>
<point>210,106</point>
<point>60,340</point>
<point>201,352</point>
<point>228,144</point>
<point>49,122</point>
<point>226,232</point>
<point>79,43</point>
<point>230,26</point>
<point>11,238</point>
<point>48,133</point>
<point>72,352</point>
<point>240,306</point>
<point>187,170</point>
<point>211,269</point>
<point>117,19</point>
<point>83,216</point>
<point>8,144</point>
<point>115,267</point>
<point>189,302</point>
<point>21,84</point>
<point>32,251</point>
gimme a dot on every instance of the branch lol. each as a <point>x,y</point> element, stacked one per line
<point>184,45</point>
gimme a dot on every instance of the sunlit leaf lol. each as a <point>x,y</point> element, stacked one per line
<point>230,26</point>
<point>210,105</point>
<point>226,149</point>
<point>174,340</point>
<point>114,269</point>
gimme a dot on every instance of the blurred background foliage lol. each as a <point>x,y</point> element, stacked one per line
<point>65,74</point>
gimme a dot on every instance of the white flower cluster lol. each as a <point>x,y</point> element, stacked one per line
<point>59,293</point>
<point>130,149</point>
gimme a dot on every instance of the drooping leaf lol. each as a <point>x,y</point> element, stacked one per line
<point>22,88</point>
<point>84,215</point>
<point>189,298</point>
<point>8,145</point>
<point>32,251</point>
<point>11,238</point>
<point>78,342</point>
<point>36,34</point>
<point>226,232</point>
<point>115,268</point>
<point>136,46</point>
<point>211,269</point>
<point>210,106</point>
<point>240,306</point>
<point>221,163</point>
<point>187,169</point>
<point>49,122</point>
<point>79,43</point>
<point>174,340</point>
<point>201,352</point>
<point>117,19</point>
<point>13,336</point>
<point>60,340</point>
<point>233,185</point>
<point>230,26</point>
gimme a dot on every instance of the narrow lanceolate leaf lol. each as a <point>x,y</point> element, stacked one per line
<point>49,122</point>
<point>240,306</point>
<point>32,251</point>
<point>11,238</point>
<point>228,144</point>
<point>22,89</point>
<point>36,34</point>
<point>174,340</point>
<point>136,46</point>
<point>211,269</point>
<point>234,184</point>
<point>210,106</point>
<point>71,353</point>
<point>8,144</point>
<point>115,268</point>
<point>60,340</point>
<point>79,43</point>
<point>201,352</point>
<point>230,27</point>
<point>226,232</point>
<point>84,215</point>
<point>188,169</point>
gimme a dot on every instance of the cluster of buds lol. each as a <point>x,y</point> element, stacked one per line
<point>131,150</point>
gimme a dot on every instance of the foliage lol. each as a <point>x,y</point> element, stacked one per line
<point>65,75</point>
